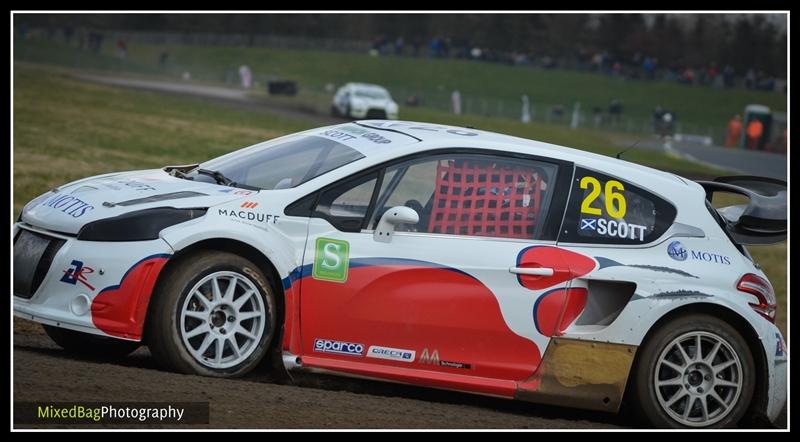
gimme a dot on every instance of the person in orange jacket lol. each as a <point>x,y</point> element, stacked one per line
<point>734,131</point>
<point>754,130</point>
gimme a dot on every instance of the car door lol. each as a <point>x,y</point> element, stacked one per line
<point>467,297</point>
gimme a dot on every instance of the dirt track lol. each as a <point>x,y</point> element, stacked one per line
<point>43,372</point>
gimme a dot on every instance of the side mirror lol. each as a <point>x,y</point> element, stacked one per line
<point>394,216</point>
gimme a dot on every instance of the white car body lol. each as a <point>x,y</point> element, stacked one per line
<point>364,101</point>
<point>112,298</point>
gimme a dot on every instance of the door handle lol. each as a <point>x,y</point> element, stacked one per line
<point>534,271</point>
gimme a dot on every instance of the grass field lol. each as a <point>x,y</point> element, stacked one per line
<point>433,80</point>
<point>65,129</point>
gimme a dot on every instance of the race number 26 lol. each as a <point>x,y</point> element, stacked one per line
<point>613,193</point>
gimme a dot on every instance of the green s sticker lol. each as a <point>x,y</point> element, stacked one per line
<point>331,260</point>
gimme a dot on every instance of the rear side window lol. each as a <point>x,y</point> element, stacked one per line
<point>607,210</point>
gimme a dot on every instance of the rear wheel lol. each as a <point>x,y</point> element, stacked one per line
<point>214,316</point>
<point>695,372</point>
<point>86,344</point>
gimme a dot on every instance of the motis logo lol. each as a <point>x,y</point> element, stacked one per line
<point>677,251</point>
<point>338,347</point>
<point>331,260</point>
<point>70,205</point>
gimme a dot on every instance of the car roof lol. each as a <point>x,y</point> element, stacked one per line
<point>409,137</point>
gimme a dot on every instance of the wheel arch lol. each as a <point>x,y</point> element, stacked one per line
<point>758,405</point>
<point>248,252</point>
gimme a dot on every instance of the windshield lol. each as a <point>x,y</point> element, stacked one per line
<point>280,166</point>
<point>374,94</point>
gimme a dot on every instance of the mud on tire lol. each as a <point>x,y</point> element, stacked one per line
<point>213,315</point>
<point>675,387</point>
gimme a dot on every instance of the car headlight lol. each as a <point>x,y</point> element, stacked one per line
<point>141,225</point>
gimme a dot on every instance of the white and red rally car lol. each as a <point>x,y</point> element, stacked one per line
<point>429,255</point>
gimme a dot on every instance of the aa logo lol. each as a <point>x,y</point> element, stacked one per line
<point>331,260</point>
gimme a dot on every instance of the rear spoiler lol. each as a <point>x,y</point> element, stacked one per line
<point>763,219</point>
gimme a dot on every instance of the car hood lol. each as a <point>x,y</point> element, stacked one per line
<point>69,207</point>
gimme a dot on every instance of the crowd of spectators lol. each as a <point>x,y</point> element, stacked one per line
<point>638,67</point>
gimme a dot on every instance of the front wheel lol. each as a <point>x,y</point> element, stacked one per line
<point>215,316</point>
<point>696,371</point>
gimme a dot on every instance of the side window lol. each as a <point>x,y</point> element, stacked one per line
<point>608,210</point>
<point>345,205</point>
<point>475,195</point>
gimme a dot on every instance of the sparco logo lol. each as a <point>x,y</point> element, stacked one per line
<point>338,347</point>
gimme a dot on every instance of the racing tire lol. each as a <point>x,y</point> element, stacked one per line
<point>214,315</point>
<point>85,344</point>
<point>673,387</point>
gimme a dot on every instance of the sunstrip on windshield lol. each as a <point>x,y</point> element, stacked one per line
<point>365,139</point>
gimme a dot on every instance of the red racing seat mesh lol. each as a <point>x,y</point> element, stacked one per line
<point>483,198</point>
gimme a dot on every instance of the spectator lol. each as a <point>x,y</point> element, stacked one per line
<point>557,111</point>
<point>68,32</point>
<point>81,38</point>
<point>754,131</point>
<point>649,68</point>
<point>399,44</point>
<point>598,116</point>
<point>784,147</point>
<point>597,62</point>
<point>616,68</point>
<point>122,49</point>
<point>712,72</point>
<point>688,76</point>
<point>668,124</point>
<point>734,131</point>
<point>728,74</point>
<point>615,111</point>
<point>658,114</point>
<point>750,79</point>
<point>162,60</point>
<point>95,42</point>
